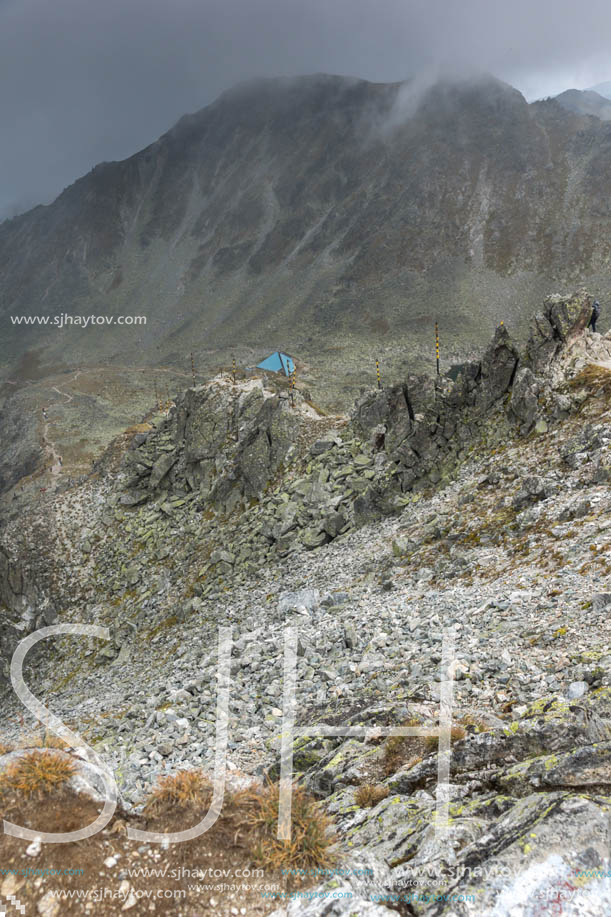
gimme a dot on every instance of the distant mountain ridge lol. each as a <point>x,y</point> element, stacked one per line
<point>586,102</point>
<point>603,89</point>
<point>316,213</point>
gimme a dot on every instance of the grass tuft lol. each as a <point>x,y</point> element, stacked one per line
<point>181,790</point>
<point>402,751</point>
<point>596,378</point>
<point>369,795</point>
<point>311,834</point>
<point>36,774</point>
<point>456,733</point>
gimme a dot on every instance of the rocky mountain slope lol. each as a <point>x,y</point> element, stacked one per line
<point>477,508</point>
<point>287,210</point>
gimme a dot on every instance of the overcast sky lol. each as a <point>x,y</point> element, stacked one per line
<point>83,81</point>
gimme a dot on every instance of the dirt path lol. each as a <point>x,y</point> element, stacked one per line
<point>50,449</point>
<point>65,394</point>
<point>48,444</point>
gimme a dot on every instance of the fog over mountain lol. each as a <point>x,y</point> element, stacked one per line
<point>290,210</point>
<point>83,82</point>
<point>603,89</point>
<point>587,102</point>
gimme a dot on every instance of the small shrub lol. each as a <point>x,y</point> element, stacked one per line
<point>369,795</point>
<point>36,773</point>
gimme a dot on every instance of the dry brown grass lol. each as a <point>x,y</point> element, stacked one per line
<point>311,834</point>
<point>245,832</point>
<point>406,751</point>
<point>5,749</point>
<point>251,813</point>
<point>397,755</point>
<point>370,794</point>
<point>456,734</point>
<point>596,378</point>
<point>402,751</point>
<point>181,790</point>
<point>46,740</point>
<point>36,774</point>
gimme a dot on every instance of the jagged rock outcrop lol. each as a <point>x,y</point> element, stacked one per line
<point>560,321</point>
<point>423,424</point>
<point>519,791</point>
<point>292,479</point>
<point>24,605</point>
<point>21,453</point>
<point>221,441</point>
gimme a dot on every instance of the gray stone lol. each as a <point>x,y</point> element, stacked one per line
<point>321,445</point>
<point>161,467</point>
<point>577,689</point>
<point>291,602</point>
<point>601,601</point>
<point>334,524</point>
<point>314,538</point>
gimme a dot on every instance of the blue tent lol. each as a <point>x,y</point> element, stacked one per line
<point>277,363</point>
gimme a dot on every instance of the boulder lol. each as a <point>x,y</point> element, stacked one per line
<point>161,467</point>
<point>334,524</point>
<point>371,506</point>
<point>498,367</point>
<point>289,602</point>
<point>561,320</point>
<point>524,403</point>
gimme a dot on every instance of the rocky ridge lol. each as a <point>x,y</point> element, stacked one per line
<point>479,503</point>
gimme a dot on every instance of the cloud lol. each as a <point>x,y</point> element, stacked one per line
<point>84,81</point>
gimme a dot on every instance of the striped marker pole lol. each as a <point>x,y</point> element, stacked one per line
<point>233,369</point>
<point>437,345</point>
<point>378,374</point>
<point>292,387</point>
